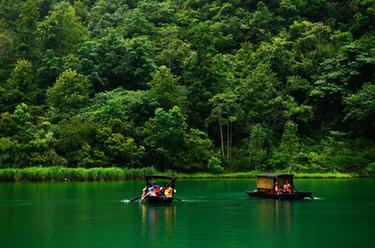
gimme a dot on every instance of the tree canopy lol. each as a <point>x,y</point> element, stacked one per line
<point>188,85</point>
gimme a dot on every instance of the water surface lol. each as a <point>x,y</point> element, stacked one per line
<point>213,213</point>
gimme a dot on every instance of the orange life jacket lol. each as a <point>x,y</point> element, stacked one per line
<point>288,188</point>
<point>156,190</point>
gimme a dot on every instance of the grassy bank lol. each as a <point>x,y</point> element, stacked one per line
<point>42,174</point>
<point>252,174</point>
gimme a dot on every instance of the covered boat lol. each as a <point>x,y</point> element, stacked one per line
<point>155,194</point>
<point>277,186</point>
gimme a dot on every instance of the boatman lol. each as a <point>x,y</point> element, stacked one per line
<point>287,187</point>
<point>276,188</point>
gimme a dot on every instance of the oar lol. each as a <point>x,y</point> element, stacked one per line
<point>140,200</point>
<point>178,199</point>
<point>134,199</point>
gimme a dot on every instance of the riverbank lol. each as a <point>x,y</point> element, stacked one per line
<point>59,174</point>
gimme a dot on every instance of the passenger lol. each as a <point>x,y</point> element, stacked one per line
<point>287,187</point>
<point>277,190</point>
<point>151,190</point>
<point>145,190</point>
<point>162,189</point>
<point>157,191</point>
<point>169,191</point>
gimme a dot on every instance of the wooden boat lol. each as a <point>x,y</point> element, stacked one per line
<point>159,199</point>
<point>266,184</point>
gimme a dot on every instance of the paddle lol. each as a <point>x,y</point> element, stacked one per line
<point>134,199</point>
<point>178,199</point>
<point>140,200</point>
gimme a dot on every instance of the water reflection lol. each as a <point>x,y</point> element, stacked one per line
<point>157,220</point>
<point>274,214</point>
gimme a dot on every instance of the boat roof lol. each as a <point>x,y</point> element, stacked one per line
<point>160,177</point>
<point>273,175</point>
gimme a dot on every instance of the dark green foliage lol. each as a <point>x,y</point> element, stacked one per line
<point>21,87</point>
<point>200,153</point>
<point>165,135</point>
<point>111,61</point>
<point>257,145</point>
<point>26,28</point>
<point>165,90</point>
<point>106,14</point>
<point>190,86</point>
<point>70,92</point>
<point>61,30</point>
<point>285,155</point>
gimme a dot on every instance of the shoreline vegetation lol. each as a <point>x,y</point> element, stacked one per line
<point>60,174</point>
<point>206,87</point>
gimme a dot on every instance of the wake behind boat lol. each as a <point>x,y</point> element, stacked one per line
<point>277,186</point>
<point>153,193</point>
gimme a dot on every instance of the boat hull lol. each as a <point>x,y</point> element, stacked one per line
<point>283,196</point>
<point>158,200</point>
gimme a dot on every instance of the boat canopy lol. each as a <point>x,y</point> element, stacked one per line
<point>275,175</point>
<point>172,179</point>
<point>268,181</point>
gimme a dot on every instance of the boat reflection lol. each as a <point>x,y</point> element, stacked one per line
<point>274,214</point>
<point>157,220</point>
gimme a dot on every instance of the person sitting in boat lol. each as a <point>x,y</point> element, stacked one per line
<point>145,190</point>
<point>162,189</point>
<point>148,191</point>
<point>287,188</point>
<point>277,189</point>
<point>154,190</point>
<point>169,191</point>
<point>157,191</point>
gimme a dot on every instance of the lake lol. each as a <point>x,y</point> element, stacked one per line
<point>212,213</point>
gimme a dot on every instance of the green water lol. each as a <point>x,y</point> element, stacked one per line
<point>213,213</point>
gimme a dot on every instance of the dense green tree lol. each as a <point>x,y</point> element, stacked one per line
<point>26,28</point>
<point>260,23</point>
<point>165,135</point>
<point>340,77</point>
<point>42,152</point>
<point>140,61</point>
<point>363,18</point>
<point>157,12</point>
<point>62,30</point>
<point>7,51</point>
<point>135,24</point>
<point>50,67</point>
<point>223,113</point>
<point>257,145</point>
<point>199,152</point>
<point>208,36</point>
<point>286,154</point>
<point>134,107</point>
<point>21,87</point>
<point>172,50</point>
<point>106,14</point>
<point>360,107</point>
<point>71,137</point>
<point>80,82</point>
<point>165,90</point>
<point>18,144</point>
<point>9,10</point>
<point>70,92</point>
<point>112,61</point>
<point>123,151</point>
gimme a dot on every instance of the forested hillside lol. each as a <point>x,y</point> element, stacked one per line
<point>188,85</point>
